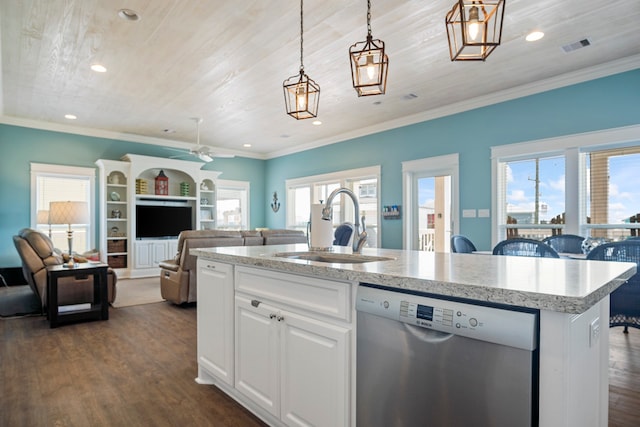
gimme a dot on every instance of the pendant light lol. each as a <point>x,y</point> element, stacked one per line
<point>369,63</point>
<point>301,94</point>
<point>474,29</point>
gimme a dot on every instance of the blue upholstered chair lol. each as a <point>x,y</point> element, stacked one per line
<point>565,243</point>
<point>461,245</point>
<point>624,301</point>
<point>343,233</point>
<point>525,247</point>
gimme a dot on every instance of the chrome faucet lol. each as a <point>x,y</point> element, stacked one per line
<point>359,239</point>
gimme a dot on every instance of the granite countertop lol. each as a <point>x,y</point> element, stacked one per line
<point>562,285</point>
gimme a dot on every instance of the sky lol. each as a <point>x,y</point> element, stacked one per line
<point>624,187</point>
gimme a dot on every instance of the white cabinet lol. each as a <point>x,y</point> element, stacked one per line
<point>150,253</point>
<point>293,346</point>
<point>114,214</point>
<point>215,321</point>
<point>293,366</point>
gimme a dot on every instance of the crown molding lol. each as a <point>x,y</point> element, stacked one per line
<point>567,79</point>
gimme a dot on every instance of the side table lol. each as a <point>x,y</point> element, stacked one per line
<point>98,309</point>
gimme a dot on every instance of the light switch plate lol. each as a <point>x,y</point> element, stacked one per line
<point>468,213</point>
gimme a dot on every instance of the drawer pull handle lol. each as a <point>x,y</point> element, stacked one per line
<point>279,318</point>
<point>255,302</point>
<point>272,316</point>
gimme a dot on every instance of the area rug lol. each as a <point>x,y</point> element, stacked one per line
<point>18,301</point>
<point>137,291</point>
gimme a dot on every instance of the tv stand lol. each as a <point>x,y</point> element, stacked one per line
<point>130,182</point>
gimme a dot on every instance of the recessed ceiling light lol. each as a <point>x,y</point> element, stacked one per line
<point>98,68</point>
<point>246,145</point>
<point>70,116</point>
<point>317,123</point>
<point>534,36</point>
<point>128,15</point>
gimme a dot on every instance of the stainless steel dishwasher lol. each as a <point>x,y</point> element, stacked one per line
<point>426,361</point>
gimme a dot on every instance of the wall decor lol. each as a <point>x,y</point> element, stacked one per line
<point>275,205</point>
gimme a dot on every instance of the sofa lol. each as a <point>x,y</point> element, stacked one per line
<point>178,278</point>
<point>37,252</point>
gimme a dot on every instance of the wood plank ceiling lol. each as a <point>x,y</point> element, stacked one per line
<point>225,61</point>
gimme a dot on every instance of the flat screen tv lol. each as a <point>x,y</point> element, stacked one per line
<point>162,221</point>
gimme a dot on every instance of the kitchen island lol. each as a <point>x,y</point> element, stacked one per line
<point>279,334</point>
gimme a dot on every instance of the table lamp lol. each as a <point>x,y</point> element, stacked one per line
<point>68,213</point>
<point>43,218</point>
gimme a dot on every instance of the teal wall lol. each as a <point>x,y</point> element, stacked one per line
<point>609,102</point>
<point>20,146</point>
<point>599,104</point>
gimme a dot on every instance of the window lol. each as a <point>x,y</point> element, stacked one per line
<point>593,172</point>
<point>232,205</point>
<point>303,192</point>
<point>612,192</point>
<point>534,197</point>
<point>52,183</point>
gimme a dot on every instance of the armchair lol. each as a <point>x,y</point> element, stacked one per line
<point>37,252</point>
<point>525,247</point>
<point>461,244</point>
<point>624,302</point>
<point>565,243</point>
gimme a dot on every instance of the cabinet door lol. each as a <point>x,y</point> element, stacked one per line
<point>160,250</point>
<point>257,348</point>
<point>143,255</point>
<point>315,372</point>
<point>215,319</point>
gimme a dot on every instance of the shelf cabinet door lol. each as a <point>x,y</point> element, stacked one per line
<point>257,347</point>
<point>314,372</point>
<point>215,319</point>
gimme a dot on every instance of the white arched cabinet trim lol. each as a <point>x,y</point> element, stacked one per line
<point>447,165</point>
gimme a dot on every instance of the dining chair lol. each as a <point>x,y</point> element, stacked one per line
<point>525,247</point>
<point>461,245</point>
<point>565,243</point>
<point>624,302</point>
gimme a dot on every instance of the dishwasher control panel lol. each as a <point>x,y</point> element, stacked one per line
<point>497,325</point>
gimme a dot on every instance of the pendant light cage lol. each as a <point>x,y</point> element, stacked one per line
<point>301,94</point>
<point>369,63</point>
<point>474,29</point>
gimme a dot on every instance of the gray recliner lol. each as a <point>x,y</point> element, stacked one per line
<point>37,252</point>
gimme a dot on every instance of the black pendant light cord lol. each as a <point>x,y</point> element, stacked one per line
<point>368,18</point>
<point>301,38</point>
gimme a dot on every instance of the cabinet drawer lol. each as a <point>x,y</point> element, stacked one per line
<point>301,293</point>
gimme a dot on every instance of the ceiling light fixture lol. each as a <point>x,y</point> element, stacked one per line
<point>474,29</point>
<point>99,68</point>
<point>70,116</point>
<point>369,63</point>
<point>301,94</point>
<point>317,123</point>
<point>128,15</point>
<point>534,36</point>
<point>246,145</point>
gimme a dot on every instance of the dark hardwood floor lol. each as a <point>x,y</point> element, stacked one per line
<point>138,369</point>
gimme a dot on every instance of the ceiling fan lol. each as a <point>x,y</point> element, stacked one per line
<point>203,152</point>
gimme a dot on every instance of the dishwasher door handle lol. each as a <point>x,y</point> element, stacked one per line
<point>427,335</point>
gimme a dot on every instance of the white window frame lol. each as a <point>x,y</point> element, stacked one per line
<point>430,166</point>
<point>570,146</point>
<point>342,177</point>
<point>71,172</point>
<point>241,186</point>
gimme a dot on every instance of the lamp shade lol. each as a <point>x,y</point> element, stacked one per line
<point>42,217</point>
<point>68,213</point>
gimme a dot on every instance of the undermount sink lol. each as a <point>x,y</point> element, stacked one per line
<point>333,258</point>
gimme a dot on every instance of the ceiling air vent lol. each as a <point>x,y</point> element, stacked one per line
<point>576,45</point>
